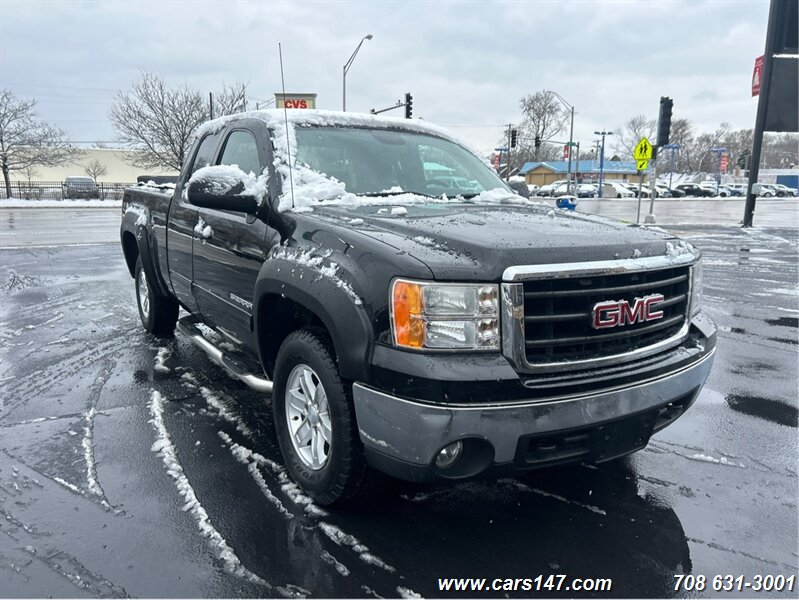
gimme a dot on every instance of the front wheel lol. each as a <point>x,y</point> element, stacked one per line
<point>315,420</point>
<point>158,313</point>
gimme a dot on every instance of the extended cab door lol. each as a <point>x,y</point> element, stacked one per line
<point>229,250</point>
<point>181,224</point>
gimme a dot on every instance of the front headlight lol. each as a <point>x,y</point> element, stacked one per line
<point>696,287</point>
<point>445,316</point>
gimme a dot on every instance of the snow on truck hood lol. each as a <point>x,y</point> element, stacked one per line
<point>312,188</point>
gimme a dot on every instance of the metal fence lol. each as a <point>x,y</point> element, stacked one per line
<point>57,190</point>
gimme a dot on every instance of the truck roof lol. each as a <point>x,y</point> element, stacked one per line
<point>276,118</point>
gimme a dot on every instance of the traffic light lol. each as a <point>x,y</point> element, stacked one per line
<point>664,120</point>
<point>513,135</point>
<point>538,141</point>
<point>743,159</point>
<point>408,105</point>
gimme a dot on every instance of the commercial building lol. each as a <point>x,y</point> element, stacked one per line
<point>117,162</point>
<point>587,171</point>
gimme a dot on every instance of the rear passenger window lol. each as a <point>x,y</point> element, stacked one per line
<point>205,154</point>
<point>241,150</point>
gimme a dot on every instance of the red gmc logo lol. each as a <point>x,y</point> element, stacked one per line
<point>614,313</point>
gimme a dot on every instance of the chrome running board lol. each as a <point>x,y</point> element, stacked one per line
<point>235,368</point>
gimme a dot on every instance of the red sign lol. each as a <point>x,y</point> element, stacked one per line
<point>757,75</point>
<point>496,162</point>
<point>565,152</point>
<point>723,163</point>
<point>296,103</point>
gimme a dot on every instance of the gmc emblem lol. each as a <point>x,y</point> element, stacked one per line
<point>614,313</point>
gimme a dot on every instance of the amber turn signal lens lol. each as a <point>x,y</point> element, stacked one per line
<point>409,328</point>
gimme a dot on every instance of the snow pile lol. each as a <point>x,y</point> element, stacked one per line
<point>679,248</point>
<point>160,361</point>
<point>304,187</point>
<point>164,448</point>
<point>223,179</point>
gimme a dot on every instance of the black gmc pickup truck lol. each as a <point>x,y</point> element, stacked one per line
<point>407,312</point>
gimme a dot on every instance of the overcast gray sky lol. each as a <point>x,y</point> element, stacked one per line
<point>466,63</point>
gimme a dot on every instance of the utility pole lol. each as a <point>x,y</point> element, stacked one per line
<point>602,159</point>
<point>507,170</point>
<point>211,103</point>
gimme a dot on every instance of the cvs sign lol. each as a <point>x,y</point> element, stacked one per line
<point>295,100</point>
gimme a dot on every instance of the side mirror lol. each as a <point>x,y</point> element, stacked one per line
<point>221,193</point>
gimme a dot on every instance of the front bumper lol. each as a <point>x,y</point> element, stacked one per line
<point>403,436</point>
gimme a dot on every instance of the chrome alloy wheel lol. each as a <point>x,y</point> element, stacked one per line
<point>144,294</point>
<point>308,417</point>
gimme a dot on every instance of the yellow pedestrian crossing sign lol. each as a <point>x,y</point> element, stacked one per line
<point>641,165</point>
<point>643,151</point>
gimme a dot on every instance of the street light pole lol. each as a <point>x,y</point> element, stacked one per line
<point>602,159</point>
<point>346,68</point>
<point>673,148</point>
<point>571,137</point>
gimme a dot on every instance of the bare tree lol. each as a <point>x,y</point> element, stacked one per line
<point>544,117</point>
<point>96,169</point>
<point>627,137</point>
<point>231,100</point>
<point>26,141</point>
<point>159,121</point>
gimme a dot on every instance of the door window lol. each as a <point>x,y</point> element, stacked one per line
<point>242,151</point>
<point>205,153</point>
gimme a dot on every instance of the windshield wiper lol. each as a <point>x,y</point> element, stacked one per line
<point>379,194</point>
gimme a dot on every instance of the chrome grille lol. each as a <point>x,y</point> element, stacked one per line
<point>557,314</point>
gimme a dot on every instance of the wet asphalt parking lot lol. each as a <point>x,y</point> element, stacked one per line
<point>133,466</point>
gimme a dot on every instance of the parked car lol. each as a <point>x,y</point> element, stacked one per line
<point>533,188</point>
<point>783,190</point>
<point>694,190</point>
<point>676,193</point>
<point>399,331</point>
<point>763,190</point>
<point>736,189</point>
<point>548,189</point>
<point>789,191</point>
<point>612,189</point>
<point>79,187</point>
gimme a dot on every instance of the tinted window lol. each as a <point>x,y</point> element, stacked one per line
<point>241,150</point>
<point>205,153</point>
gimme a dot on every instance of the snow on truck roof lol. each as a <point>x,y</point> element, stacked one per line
<point>276,118</point>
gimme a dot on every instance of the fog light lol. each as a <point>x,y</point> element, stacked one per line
<point>449,455</point>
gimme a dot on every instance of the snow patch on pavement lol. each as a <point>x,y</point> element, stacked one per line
<point>252,459</point>
<point>346,539</point>
<point>225,411</point>
<point>164,448</point>
<point>160,360</point>
<point>526,488</point>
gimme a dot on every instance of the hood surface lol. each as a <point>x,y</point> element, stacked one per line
<point>478,242</point>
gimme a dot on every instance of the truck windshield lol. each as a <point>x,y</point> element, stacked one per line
<point>384,161</point>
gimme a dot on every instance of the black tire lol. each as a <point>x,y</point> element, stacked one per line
<point>343,474</point>
<point>160,313</point>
